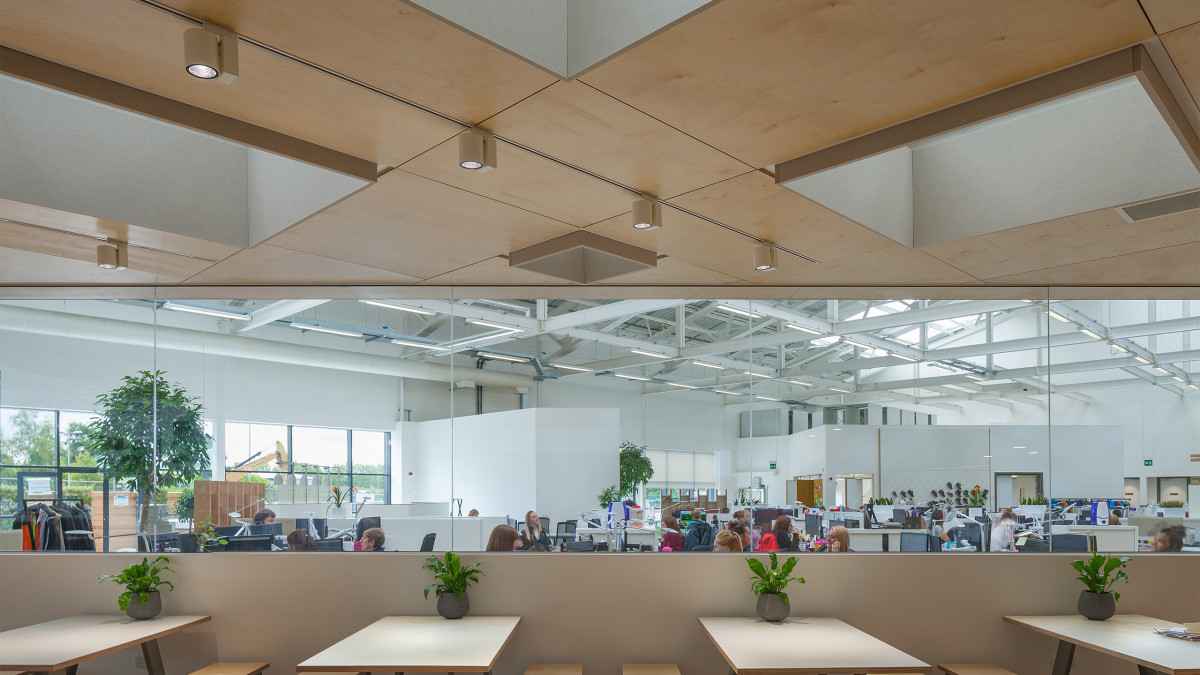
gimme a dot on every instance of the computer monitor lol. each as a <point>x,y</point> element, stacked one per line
<point>329,545</point>
<point>812,524</point>
<point>836,523</point>
<point>898,515</point>
<point>1073,543</point>
<point>913,542</point>
<point>229,531</point>
<point>272,528</point>
<point>258,542</point>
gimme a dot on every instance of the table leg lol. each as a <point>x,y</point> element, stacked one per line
<point>1147,670</point>
<point>71,670</point>
<point>1062,660</point>
<point>154,664</point>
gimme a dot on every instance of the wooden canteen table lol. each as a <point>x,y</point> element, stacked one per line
<point>65,643</point>
<point>1126,636</point>
<point>804,646</point>
<point>399,644</point>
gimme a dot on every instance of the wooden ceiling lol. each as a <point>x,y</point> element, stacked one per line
<point>695,115</point>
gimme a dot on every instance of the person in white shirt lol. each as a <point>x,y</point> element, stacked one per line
<point>1002,533</point>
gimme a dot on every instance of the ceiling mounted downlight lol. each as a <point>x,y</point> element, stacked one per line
<point>764,258</point>
<point>211,53</point>
<point>647,214</point>
<point>112,257</point>
<point>477,150</point>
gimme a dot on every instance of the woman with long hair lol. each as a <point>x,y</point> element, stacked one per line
<point>839,539</point>
<point>503,538</point>
<point>727,541</point>
<point>672,537</point>
<point>782,530</point>
<point>533,538</point>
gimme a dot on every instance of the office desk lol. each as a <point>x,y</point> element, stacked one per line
<point>1125,636</point>
<point>399,644</point>
<point>804,645</point>
<point>65,643</point>
<point>872,540</point>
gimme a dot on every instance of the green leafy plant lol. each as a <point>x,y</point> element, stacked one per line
<point>610,495</point>
<point>141,578</point>
<point>150,433</point>
<point>185,506</point>
<point>977,498</point>
<point>338,496</point>
<point>1033,501</point>
<point>1171,504</point>
<point>1095,573</point>
<point>452,576</point>
<point>206,535</point>
<point>636,469</point>
<point>773,580</point>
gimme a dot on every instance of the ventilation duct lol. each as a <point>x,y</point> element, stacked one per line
<point>1161,207</point>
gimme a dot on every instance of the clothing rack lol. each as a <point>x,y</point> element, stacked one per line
<point>42,522</point>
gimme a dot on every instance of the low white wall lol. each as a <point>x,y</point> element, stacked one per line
<point>285,607</point>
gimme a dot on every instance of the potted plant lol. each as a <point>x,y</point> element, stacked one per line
<point>141,599</point>
<point>1098,602</point>
<point>881,508</point>
<point>451,586</point>
<point>1034,507</point>
<point>1171,508</point>
<point>635,469</point>
<point>609,495</point>
<point>338,498</point>
<point>770,585</point>
<point>151,434</point>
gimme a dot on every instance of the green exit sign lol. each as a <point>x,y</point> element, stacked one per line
<point>1148,462</point>
<point>772,466</point>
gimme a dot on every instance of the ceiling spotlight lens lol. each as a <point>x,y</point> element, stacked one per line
<point>644,216</point>
<point>471,151</point>
<point>202,71</point>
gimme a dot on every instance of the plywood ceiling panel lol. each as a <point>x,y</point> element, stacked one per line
<point>886,266</point>
<point>29,267</point>
<point>1172,265</point>
<point>687,238</point>
<point>57,219</point>
<point>527,181</point>
<point>388,45</point>
<point>1168,15</point>
<point>840,69</point>
<point>1064,241</point>
<point>1183,46</point>
<point>137,45</point>
<point>265,264</point>
<point>753,203</point>
<point>418,227</point>
<point>167,266</point>
<point>577,124</point>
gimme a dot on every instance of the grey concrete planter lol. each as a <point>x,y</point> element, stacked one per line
<point>136,610</point>
<point>771,607</point>
<point>1097,606</point>
<point>451,606</point>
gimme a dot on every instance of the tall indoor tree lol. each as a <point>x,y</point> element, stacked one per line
<point>636,469</point>
<point>149,433</point>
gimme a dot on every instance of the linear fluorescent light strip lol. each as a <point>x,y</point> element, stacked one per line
<point>709,365</point>
<point>844,391</point>
<point>767,398</point>
<point>723,391</point>
<point>401,308</point>
<point>805,329</point>
<point>905,357</point>
<point>1055,315</point>
<point>1141,359</point>
<point>941,367</point>
<point>631,377</point>
<point>972,376</point>
<point>856,343</point>
<point>1162,370</point>
<point>207,312</point>
<point>322,329</point>
<point>802,384</point>
<point>1178,378</point>
<point>1091,334</point>
<point>566,367</point>
<point>489,324</point>
<point>682,386</point>
<point>743,312</point>
<point>1192,385</point>
<point>643,352</point>
<point>1118,347</point>
<point>421,345</point>
<point>754,374</point>
<point>502,357</point>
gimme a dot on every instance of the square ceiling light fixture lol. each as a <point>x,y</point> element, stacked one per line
<point>1105,134</point>
<point>583,258</point>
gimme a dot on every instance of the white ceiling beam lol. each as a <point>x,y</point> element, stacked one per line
<point>278,310</point>
<point>915,316</point>
<point>609,312</point>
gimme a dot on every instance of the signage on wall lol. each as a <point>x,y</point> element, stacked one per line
<point>772,466</point>
<point>120,500</point>
<point>1148,462</point>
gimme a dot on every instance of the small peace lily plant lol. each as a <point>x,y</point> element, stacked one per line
<point>1099,601</point>
<point>453,578</point>
<point>770,585</point>
<point>140,579</point>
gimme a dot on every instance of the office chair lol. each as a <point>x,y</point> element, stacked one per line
<point>520,526</point>
<point>1034,546</point>
<point>563,532</point>
<point>935,543</point>
<point>544,522</point>
<point>427,542</point>
<point>254,542</point>
<point>1069,543</point>
<point>914,541</point>
<point>703,548</point>
<point>365,524</point>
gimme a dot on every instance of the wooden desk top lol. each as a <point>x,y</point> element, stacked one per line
<point>804,645</point>
<point>419,644</point>
<point>1125,636</point>
<point>65,642</point>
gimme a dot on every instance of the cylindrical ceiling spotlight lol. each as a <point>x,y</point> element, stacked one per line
<point>647,214</point>
<point>476,150</point>
<point>210,53</point>
<point>112,257</point>
<point>764,258</point>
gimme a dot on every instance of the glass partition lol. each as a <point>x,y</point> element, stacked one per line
<point>619,422</point>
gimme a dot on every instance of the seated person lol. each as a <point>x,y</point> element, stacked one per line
<point>503,538</point>
<point>767,543</point>
<point>839,539</point>
<point>672,537</point>
<point>1169,540</point>
<point>1114,517</point>
<point>742,531</point>
<point>1002,533</point>
<point>299,540</point>
<point>264,517</point>
<point>782,531</point>
<point>372,539</point>
<point>533,538</point>
<point>937,525</point>
<point>728,540</point>
<point>473,513</point>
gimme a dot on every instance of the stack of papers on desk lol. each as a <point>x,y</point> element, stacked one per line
<point>1187,631</point>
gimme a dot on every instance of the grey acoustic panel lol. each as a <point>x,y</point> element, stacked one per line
<point>1163,207</point>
